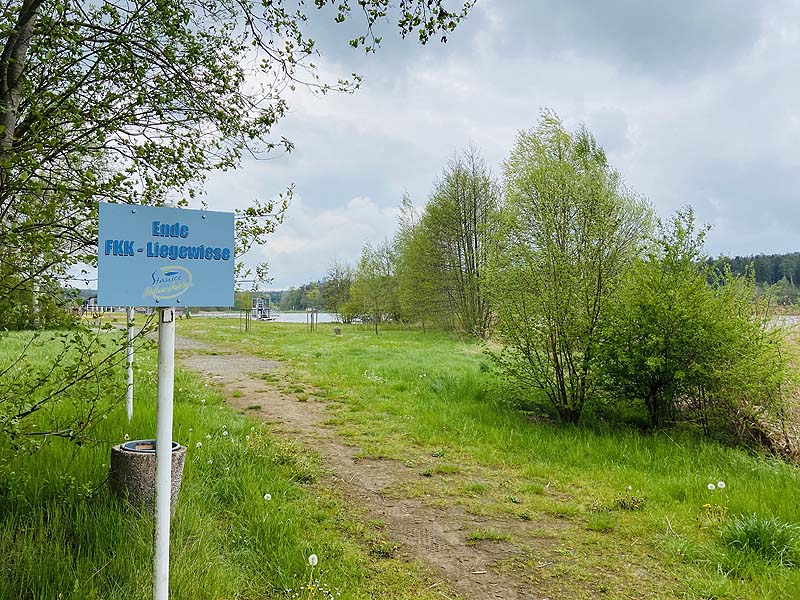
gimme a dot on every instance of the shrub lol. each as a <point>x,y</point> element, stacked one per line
<point>567,233</point>
<point>690,340</point>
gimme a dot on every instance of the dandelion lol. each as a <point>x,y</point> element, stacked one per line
<point>630,488</point>
<point>721,485</point>
<point>712,487</point>
<point>224,432</point>
<point>190,430</point>
<point>208,436</point>
<point>267,497</point>
<point>198,445</point>
<point>312,560</point>
<point>247,438</point>
<point>126,437</point>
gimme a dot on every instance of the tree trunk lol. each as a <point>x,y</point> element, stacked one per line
<point>12,64</point>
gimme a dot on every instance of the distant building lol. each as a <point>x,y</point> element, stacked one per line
<point>90,305</point>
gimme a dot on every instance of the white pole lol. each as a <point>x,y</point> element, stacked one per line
<point>129,390</point>
<point>166,381</point>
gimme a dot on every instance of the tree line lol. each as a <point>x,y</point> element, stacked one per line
<point>586,299</point>
<point>775,274</point>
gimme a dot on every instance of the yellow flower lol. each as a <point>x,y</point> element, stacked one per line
<point>706,506</point>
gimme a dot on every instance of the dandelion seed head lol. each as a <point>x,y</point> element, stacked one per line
<point>712,487</point>
<point>198,445</point>
<point>312,560</point>
<point>126,437</point>
<point>267,497</point>
<point>224,433</point>
<point>721,485</point>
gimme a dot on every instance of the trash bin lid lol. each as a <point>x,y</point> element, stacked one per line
<point>147,446</point>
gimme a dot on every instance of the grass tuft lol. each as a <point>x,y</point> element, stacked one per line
<point>770,539</point>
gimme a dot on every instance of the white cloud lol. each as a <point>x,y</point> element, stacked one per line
<point>310,240</point>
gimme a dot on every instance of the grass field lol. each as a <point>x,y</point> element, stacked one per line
<point>63,536</point>
<point>427,400</point>
<point>430,401</point>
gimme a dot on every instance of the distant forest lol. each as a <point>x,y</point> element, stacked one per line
<point>778,273</point>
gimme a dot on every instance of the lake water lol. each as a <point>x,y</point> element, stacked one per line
<point>301,317</point>
<point>285,317</point>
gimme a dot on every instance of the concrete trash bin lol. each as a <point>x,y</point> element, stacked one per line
<point>133,473</point>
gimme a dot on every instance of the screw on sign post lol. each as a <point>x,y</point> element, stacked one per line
<point>163,257</point>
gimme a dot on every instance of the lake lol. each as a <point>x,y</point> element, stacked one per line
<point>280,317</point>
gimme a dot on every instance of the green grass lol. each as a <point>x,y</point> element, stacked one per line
<point>487,535</point>
<point>63,535</point>
<point>418,397</point>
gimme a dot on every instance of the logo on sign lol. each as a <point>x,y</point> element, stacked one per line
<point>168,282</point>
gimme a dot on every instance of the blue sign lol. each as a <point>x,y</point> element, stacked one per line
<point>155,256</point>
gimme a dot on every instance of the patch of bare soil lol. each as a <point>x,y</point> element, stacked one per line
<point>423,530</point>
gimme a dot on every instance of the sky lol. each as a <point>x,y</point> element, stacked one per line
<point>696,104</point>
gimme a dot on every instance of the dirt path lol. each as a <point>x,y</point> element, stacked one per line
<point>435,534</point>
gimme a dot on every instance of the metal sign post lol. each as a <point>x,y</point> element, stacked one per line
<point>166,383</point>
<point>129,390</point>
<point>163,257</point>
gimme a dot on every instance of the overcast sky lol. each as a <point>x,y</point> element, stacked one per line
<point>696,103</point>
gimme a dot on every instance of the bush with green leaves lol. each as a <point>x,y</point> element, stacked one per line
<point>567,233</point>
<point>52,384</point>
<point>691,341</point>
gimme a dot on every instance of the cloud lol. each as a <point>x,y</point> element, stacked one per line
<point>675,40</point>
<point>310,240</point>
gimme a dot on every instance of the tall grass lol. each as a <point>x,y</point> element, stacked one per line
<point>414,396</point>
<point>63,535</point>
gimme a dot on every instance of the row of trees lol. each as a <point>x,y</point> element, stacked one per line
<point>587,297</point>
<point>433,271</point>
<point>776,275</point>
<point>768,269</point>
